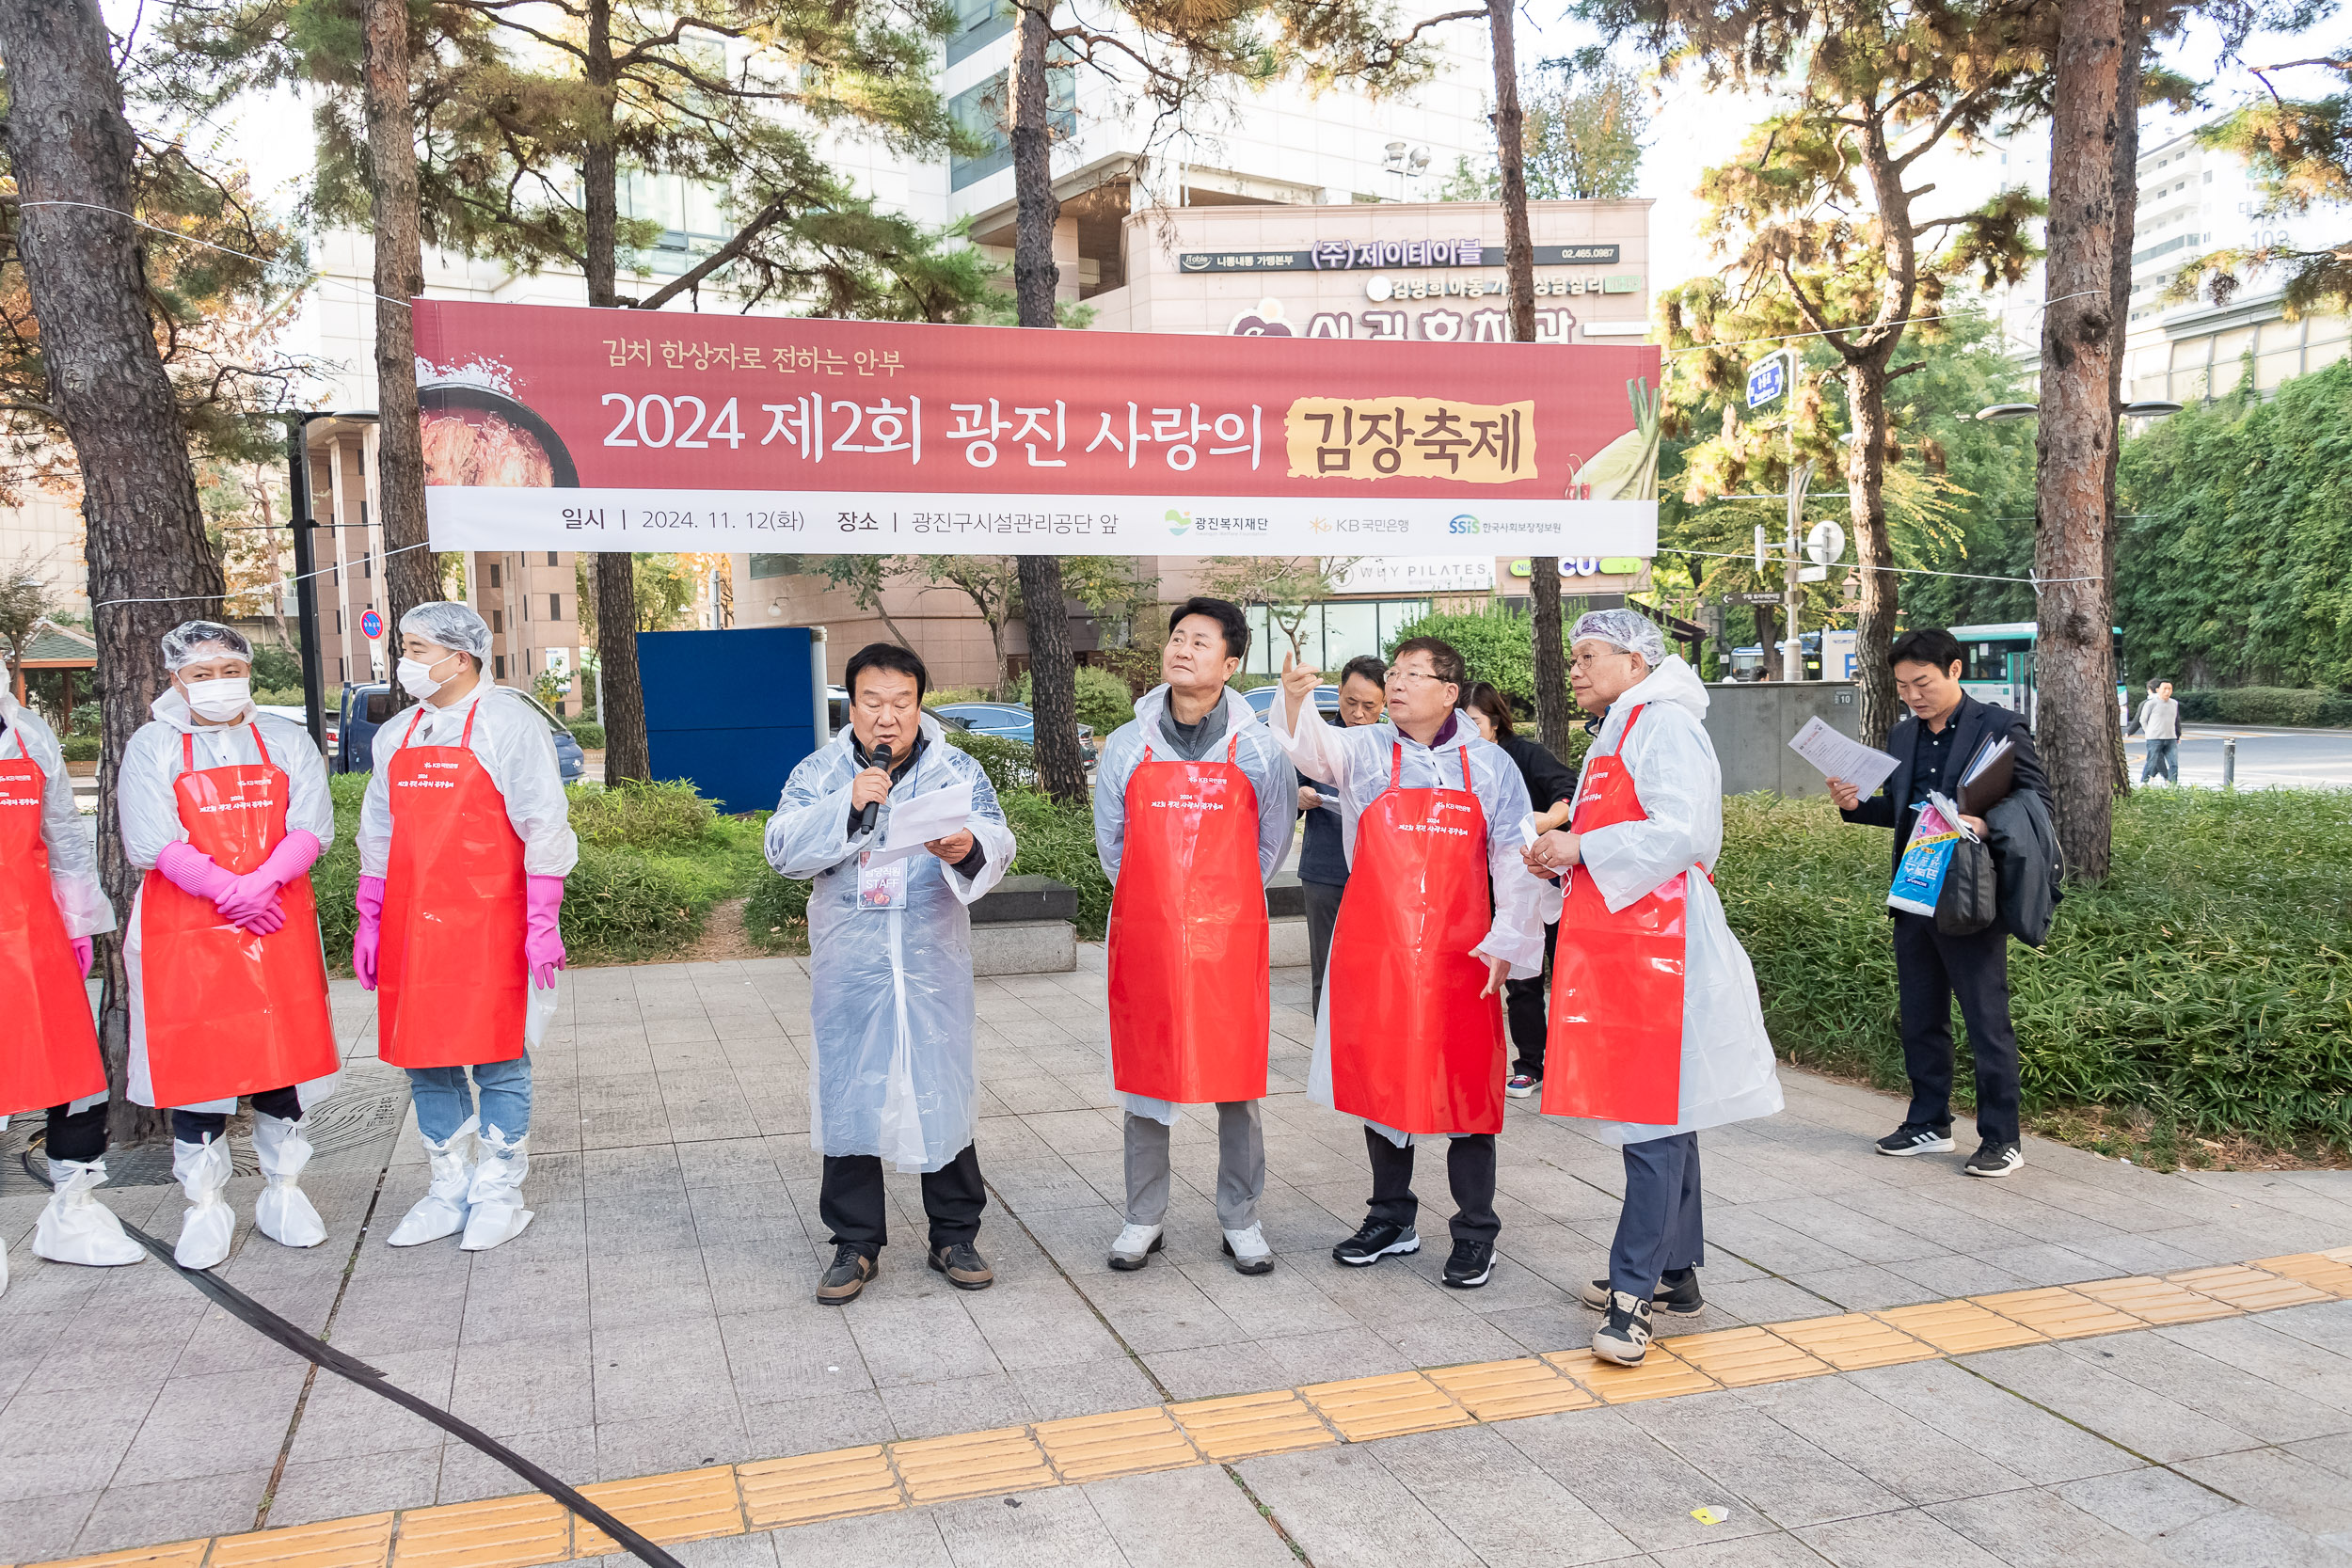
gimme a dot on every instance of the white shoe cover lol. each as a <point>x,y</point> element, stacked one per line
<point>495,1198</point>
<point>442,1210</point>
<point>202,1171</point>
<point>283,1213</point>
<point>76,1227</point>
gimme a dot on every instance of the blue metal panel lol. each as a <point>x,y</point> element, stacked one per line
<point>733,711</point>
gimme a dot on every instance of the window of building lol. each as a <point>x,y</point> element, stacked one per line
<point>367,563</point>
<point>774,565</point>
<point>981,109</point>
<point>494,574</point>
<point>498,620</point>
<point>342,670</point>
<point>555,607</point>
<point>525,603</point>
<point>550,558</point>
<point>338,620</point>
<point>979,24</point>
<point>499,663</point>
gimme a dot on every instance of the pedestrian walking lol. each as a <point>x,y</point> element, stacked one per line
<point>1322,860</point>
<point>1934,745</point>
<point>2160,722</point>
<point>1549,781</point>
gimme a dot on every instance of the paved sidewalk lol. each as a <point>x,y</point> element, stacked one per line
<point>657,1317</point>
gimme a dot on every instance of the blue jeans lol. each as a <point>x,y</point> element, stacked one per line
<point>2164,757</point>
<point>444,1099</point>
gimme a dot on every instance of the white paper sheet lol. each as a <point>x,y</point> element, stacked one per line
<point>918,820</point>
<point>1842,758</point>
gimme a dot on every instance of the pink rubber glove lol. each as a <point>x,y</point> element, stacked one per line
<point>193,871</point>
<point>256,890</point>
<point>543,944</point>
<point>84,950</point>
<point>370,931</point>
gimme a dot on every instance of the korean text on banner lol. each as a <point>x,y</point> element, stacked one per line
<point>550,427</point>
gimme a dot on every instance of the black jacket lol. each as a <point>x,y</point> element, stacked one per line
<point>1974,724</point>
<point>1549,779</point>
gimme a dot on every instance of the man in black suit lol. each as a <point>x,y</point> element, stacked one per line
<point>1933,746</point>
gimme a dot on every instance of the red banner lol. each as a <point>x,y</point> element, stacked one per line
<point>558,428</point>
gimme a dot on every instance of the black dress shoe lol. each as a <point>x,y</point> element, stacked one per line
<point>1376,1241</point>
<point>851,1268</point>
<point>1471,1265</point>
<point>965,1269</point>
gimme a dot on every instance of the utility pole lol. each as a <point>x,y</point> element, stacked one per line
<point>1791,585</point>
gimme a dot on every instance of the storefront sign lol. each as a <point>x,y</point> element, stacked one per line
<point>1586,567</point>
<point>1359,255</point>
<point>550,427</point>
<point>1425,573</point>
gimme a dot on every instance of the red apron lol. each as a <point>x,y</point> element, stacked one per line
<point>52,1055</point>
<point>226,1012</point>
<point>1614,1052</point>
<point>451,977</point>
<point>1413,1044</point>
<point>1189,1007</point>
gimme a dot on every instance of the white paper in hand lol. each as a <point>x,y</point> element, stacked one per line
<point>1840,756</point>
<point>918,819</point>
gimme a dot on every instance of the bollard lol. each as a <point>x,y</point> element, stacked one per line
<point>2229,762</point>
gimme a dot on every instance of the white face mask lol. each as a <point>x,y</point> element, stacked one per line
<point>415,678</point>
<point>220,700</point>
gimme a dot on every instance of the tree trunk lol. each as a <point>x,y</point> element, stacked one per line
<point>1766,616</point>
<point>628,754</point>
<point>2075,701</point>
<point>2126,181</point>
<point>150,567</point>
<point>411,575</point>
<point>1053,668</point>
<point>1874,550</point>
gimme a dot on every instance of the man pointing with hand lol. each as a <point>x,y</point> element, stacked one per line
<point>1437,915</point>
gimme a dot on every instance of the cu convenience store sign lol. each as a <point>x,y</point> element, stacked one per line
<point>557,428</point>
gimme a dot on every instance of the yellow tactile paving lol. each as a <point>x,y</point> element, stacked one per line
<point>689,1505</point>
<point>2251,1289</point>
<point>363,1543</point>
<point>1959,1327</point>
<point>1124,1443</point>
<point>1662,1375</point>
<point>500,1532</point>
<point>2059,1312</point>
<point>838,1485</point>
<point>1389,1405</point>
<point>1742,1357</point>
<point>1241,1425</point>
<point>2320,1270</point>
<point>2341,1254</point>
<point>1506,1390</point>
<point>971,1464</point>
<point>2155,1301</point>
<point>1854,1342</point>
<point>180,1554</point>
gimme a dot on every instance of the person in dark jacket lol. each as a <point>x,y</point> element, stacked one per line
<point>1933,746</point>
<point>1322,858</point>
<point>1548,780</point>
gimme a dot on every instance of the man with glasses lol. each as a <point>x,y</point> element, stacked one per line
<point>1437,915</point>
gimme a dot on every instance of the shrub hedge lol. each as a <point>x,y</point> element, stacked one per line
<point>646,815</point>
<point>2267,705</point>
<point>588,732</point>
<point>81,748</point>
<point>1103,701</point>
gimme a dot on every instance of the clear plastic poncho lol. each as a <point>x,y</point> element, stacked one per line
<point>891,997</point>
<point>72,852</point>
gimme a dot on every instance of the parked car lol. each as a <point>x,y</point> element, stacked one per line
<point>1006,720</point>
<point>1326,699</point>
<point>300,718</point>
<point>367,709</point>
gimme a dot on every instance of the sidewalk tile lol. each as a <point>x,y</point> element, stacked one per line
<point>2249,1289</point>
<point>1662,1375</point>
<point>1390,1406</point>
<point>2321,1271</point>
<point>2059,1312</point>
<point>361,1542</point>
<point>2156,1301</point>
<point>1741,1357</point>
<point>835,1485</point>
<point>1244,1425</point>
<point>1122,1443</point>
<point>938,1468</point>
<point>691,1505</point>
<point>1959,1327</point>
<point>1506,1390</point>
<point>1854,1342</point>
<point>500,1532</point>
<point>182,1554</point>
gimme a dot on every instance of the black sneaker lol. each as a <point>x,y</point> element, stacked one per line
<point>1917,1137</point>
<point>1996,1159</point>
<point>965,1269</point>
<point>851,1268</point>
<point>1678,1296</point>
<point>1376,1241</point>
<point>1471,1265</point>
<point>1624,1335</point>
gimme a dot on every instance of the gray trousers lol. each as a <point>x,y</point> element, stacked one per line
<point>1323,913</point>
<point>1660,1229</point>
<point>1240,1167</point>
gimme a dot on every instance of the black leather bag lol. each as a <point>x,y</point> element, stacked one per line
<point>1971,896</point>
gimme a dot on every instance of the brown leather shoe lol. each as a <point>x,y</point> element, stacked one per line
<point>965,1269</point>
<point>851,1268</point>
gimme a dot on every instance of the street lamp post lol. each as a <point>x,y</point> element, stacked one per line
<point>306,563</point>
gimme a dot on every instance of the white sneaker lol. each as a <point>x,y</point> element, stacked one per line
<point>76,1227</point>
<point>1135,1243</point>
<point>1249,1251</point>
<point>202,1171</point>
<point>283,1213</point>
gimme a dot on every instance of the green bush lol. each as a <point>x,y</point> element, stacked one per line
<point>947,694</point>
<point>776,915</point>
<point>1498,645</point>
<point>663,816</point>
<point>2203,988</point>
<point>588,732</point>
<point>1058,842</point>
<point>2265,705</point>
<point>1103,699</point>
<point>85,719</point>
<point>1009,763</point>
<point>1248,682</point>
<point>279,696</point>
<point>81,748</point>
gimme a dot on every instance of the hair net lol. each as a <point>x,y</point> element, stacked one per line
<point>182,642</point>
<point>451,626</point>
<point>1627,629</point>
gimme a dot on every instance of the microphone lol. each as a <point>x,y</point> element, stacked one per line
<point>881,760</point>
